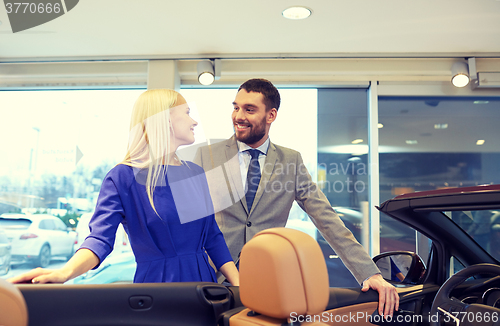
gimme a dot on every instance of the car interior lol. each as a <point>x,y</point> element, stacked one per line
<point>461,278</point>
<point>293,275</point>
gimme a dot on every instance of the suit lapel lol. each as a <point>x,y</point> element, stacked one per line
<point>232,166</point>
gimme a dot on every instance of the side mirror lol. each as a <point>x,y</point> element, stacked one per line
<point>400,266</point>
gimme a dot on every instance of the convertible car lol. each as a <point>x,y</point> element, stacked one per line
<point>452,278</point>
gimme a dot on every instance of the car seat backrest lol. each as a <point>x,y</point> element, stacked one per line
<point>13,311</point>
<point>283,271</point>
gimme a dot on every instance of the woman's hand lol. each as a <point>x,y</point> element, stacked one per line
<point>231,273</point>
<point>40,275</point>
<point>82,261</point>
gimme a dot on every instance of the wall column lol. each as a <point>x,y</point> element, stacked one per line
<point>163,74</point>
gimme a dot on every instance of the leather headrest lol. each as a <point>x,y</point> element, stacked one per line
<point>13,311</point>
<point>282,271</point>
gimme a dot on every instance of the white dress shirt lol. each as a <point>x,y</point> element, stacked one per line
<point>244,158</point>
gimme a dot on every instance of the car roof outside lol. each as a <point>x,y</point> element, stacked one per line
<point>27,216</point>
<point>15,217</point>
<point>12,215</point>
<point>34,219</point>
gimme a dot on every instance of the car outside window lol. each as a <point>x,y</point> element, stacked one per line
<point>60,225</point>
<point>3,238</point>
<point>47,225</point>
<point>42,225</point>
<point>455,265</point>
<point>483,226</point>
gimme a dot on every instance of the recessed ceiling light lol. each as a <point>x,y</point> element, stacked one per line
<point>412,142</point>
<point>481,102</point>
<point>296,12</point>
<point>380,126</point>
<point>440,126</point>
<point>357,141</point>
<point>480,142</point>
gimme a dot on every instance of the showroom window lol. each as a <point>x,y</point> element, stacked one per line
<point>343,175</point>
<point>59,145</point>
<point>434,142</point>
<point>429,143</point>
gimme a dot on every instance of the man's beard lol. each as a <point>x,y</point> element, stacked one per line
<point>257,132</point>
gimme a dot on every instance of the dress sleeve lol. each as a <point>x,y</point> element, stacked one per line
<point>108,215</point>
<point>216,246</point>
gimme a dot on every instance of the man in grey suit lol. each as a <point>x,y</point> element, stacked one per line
<point>275,176</point>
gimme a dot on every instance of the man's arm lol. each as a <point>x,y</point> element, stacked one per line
<point>312,200</point>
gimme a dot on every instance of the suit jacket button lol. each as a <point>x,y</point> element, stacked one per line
<point>249,224</point>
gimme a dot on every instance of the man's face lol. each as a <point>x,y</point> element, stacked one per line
<point>251,122</point>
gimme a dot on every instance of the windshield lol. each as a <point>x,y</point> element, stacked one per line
<point>483,226</point>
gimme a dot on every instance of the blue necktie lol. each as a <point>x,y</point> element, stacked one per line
<point>253,177</point>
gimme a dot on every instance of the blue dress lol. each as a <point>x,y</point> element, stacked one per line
<point>171,247</point>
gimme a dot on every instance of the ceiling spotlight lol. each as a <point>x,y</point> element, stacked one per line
<point>460,74</point>
<point>296,13</point>
<point>208,71</point>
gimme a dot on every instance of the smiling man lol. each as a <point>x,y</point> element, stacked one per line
<point>251,119</point>
<point>263,180</point>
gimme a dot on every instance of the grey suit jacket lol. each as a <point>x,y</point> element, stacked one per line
<point>284,179</point>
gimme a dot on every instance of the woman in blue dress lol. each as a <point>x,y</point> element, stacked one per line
<point>162,202</point>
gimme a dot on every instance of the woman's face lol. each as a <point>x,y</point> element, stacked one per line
<point>182,124</point>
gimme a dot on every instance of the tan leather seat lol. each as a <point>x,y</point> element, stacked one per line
<point>283,275</point>
<point>13,311</point>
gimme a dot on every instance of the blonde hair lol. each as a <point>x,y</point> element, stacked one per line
<point>149,136</point>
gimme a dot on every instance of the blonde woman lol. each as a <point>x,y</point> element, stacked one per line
<point>162,202</point>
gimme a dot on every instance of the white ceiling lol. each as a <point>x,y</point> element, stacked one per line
<point>133,29</point>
